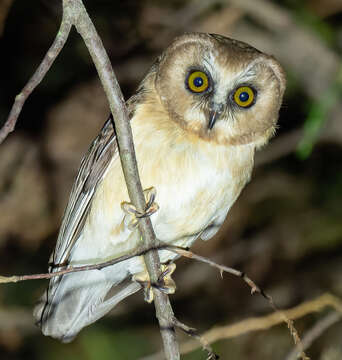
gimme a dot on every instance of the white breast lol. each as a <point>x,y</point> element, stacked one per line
<point>196,182</point>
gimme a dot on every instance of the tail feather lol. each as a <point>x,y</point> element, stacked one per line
<point>76,300</point>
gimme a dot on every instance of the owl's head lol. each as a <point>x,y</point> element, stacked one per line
<point>221,89</point>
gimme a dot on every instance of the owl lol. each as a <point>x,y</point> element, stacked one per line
<point>204,107</point>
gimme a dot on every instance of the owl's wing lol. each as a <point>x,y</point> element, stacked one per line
<point>93,167</point>
<point>75,300</point>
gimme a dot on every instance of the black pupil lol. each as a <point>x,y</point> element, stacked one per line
<point>244,96</point>
<point>198,81</point>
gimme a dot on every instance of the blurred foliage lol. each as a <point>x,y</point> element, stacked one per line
<point>285,230</point>
<point>308,18</point>
<point>99,343</point>
<point>318,114</point>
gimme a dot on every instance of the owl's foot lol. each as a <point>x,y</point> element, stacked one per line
<point>133,216</point>
<point>165,282</point>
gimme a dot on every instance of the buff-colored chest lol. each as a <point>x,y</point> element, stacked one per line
<point>196,182</point>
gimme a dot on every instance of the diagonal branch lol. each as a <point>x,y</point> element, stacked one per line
<point>119,111</point>
<point>254,289</point>
<point>37,77</point>
<point>74,13</point>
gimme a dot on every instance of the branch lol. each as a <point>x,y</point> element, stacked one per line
<point>37,77</point>
<point>254,289</point>
<point>118,108</point>
<point>193,333</point>
<point>72,269</point>
<point>74,13</point>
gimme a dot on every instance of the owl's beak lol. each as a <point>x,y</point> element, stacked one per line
<point>215,111</point>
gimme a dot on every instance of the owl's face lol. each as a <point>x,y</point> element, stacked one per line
<point>220,89</point>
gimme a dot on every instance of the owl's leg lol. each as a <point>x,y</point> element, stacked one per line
<point>165,283</point>
<point>133,216</point>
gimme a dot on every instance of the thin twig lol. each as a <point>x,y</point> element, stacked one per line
<point>72,269</point>
<point>222,268</point>
<point>315,332</point>
<point>37,77</point>
<point>192,332</point>
<point>138,252</point>
<point>254,289</point>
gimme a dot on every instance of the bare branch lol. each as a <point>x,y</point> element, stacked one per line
<point>71,269</point>
<point>118,108</point>
<point>193,333</point>
<point>221,268</point>
<point>138,252</point>
<point>253,286</point>
<point>37,77</point>
<point>74,13</point>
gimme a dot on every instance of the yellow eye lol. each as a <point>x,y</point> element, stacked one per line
<point>198,81</point>
<point>244,96</point>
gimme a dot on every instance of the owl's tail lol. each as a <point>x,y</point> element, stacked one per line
<point>75,300</point>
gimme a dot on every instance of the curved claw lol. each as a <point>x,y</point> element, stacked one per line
<point>165,282</point>
<point>133,216</point>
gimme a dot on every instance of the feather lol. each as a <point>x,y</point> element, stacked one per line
<point>81,301</point>
<point>103,150</point>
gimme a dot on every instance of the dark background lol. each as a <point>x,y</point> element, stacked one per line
<point>285,230</point>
